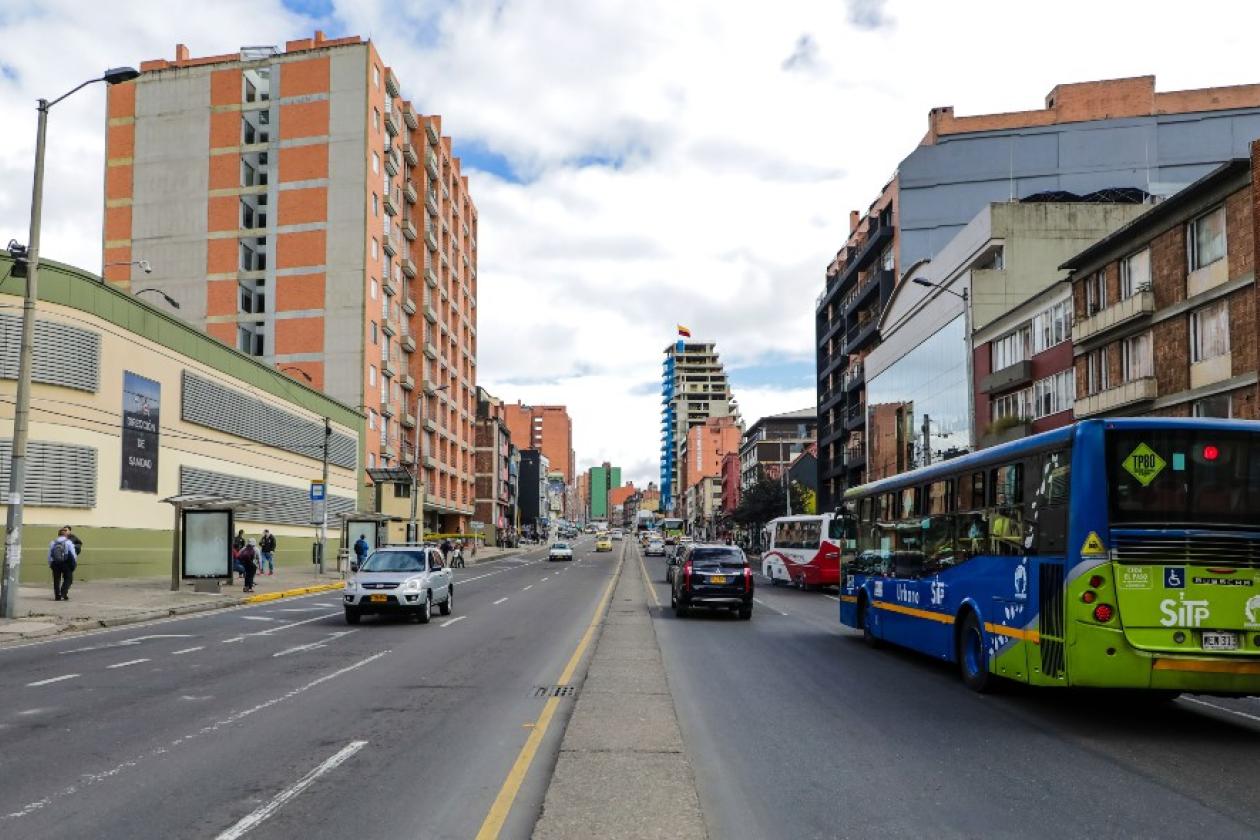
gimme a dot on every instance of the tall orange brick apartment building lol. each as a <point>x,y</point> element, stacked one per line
<point>301,210</point>
<point>549,429</point>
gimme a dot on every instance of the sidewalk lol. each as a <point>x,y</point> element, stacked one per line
<point>117,601</point>
<point>622,771</point>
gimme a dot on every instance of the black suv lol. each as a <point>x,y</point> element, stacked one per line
<point>712,576</point>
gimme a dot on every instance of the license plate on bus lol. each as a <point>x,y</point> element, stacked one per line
<point>717,578</point>
<point>1220,640</point>
<point>378,599</point>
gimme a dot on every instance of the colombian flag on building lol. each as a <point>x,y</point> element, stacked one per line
<point>683,331</point>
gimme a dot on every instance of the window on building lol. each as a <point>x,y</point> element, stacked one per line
<point>1097,376</point>
<point>374,289</point>
<point>376,163</point>
<point>1055,393</point>
<point>1135,273</point>
<point>253,297</point>
<point>373,331</point>
<point>249,338</point>
<point>376,248</point>
<point>371,377</point>
<point>1011,348</point>
<point>376,75</point>
<point>1137,358</point>
<point>1095,293</point>
<point>1017,404</point>
<point>1052,326</point>
<point>1206,238</point>
<point>376,120</point>
<point>372,460</point>
<point>376,205</point>
<point>1209,331</point>
<point>886,259</point>
<point>1217,405</point>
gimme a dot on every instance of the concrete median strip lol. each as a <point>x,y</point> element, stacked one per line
<point>263,597</point>
<point>622,771</point>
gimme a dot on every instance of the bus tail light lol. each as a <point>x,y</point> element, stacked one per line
<point>1089,596</point>
<point>1103,613</point>
<point>1096,581</point>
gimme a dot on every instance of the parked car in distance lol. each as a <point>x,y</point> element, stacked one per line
<point>560,551</point>
<point>709,575</point>
<point>654,548</point>
<point>399,579</point>
<point>603,543</point>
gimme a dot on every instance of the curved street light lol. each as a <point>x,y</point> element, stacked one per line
<point>295,369</point>
<point>26,351</point>
<point>170,301</point>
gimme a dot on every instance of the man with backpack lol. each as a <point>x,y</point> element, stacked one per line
<point>247,557</point>
<point>267,545</point>
<point>62,560</point>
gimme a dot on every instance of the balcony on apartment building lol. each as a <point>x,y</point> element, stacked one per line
<point>1126,311</point>
<point>409,306</point>
<point>853,456</point>
<point>430,314</point>
<point>1005,430</point>
<point>388,244</point>
<point>855,417</point>
<point>407,382</point>
<point>391,163</point>
<point>409,117</point>
<point>430,236</point>
<point>408,343</point>
<point>430,202</point>
<point>409,193</point>
<point>407,456</point>
<point>430,350</point>
<point>393,123</point>
<point>391,208</point>
<point>409,154</point>
<point>430,276</point>
<point>1124,395</point>
<point>387,408</point>
<point>430,128</point>
<point>853,376</point>
<point>863,332</point>
<point>431,163</point>
<point>389,287</point>
<point>866,287</point>
<point>408,266</point>
<point>388,325</point>
<point>1011,376</point>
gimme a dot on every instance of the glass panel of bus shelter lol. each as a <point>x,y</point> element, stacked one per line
<point>1183,477</point>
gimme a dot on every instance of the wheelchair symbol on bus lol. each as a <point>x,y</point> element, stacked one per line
<point>1174,577</point>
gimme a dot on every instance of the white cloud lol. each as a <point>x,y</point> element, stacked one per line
<point>743,135</point>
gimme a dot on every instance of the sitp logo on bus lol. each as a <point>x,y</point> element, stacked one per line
<point>1183,613</point>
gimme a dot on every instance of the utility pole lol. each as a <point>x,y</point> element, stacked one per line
<point>927,439</point>
<point>323,525</point>
<point>787,485</point>
<point>22,409</point>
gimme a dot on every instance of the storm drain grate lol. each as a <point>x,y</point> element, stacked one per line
<point>555,690</point>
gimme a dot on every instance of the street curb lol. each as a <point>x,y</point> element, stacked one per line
<point>289,593</point>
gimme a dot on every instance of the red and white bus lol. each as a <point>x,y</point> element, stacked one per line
<point>806,550</point>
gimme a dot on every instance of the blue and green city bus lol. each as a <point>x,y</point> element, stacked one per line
<point>1111,553</point>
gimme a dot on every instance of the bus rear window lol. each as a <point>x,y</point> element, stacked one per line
<point>1172,477</point>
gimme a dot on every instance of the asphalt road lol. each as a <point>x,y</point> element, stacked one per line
<point>279,720</point>
<point>797,730</point>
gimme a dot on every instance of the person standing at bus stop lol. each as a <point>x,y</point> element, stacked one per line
<point>62,561</point>
<point>267,545</point>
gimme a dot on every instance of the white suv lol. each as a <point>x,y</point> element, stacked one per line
<point>399,578</point>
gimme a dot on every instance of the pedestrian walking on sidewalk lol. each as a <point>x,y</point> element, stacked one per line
<point>248,557</point>
<point>267,545</point>
<point>62,560</point>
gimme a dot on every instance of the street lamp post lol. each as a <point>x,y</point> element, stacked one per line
<point>170,301</point>
<point>971,387</point>
<point>26,353</point>
<point>417,527</point>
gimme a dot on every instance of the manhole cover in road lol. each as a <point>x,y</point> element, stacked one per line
<point>555,690</point>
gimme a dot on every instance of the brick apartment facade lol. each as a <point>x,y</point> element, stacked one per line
<point>1089,136</point>
<point>493,469</point>
<point>547,428</point>
<point>301,210</point>
<point>1166,306</point>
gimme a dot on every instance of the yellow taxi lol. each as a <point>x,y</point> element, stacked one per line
<point>603,542</point>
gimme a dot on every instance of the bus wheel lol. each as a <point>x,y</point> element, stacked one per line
<point>973,661</point>
<point>864,621</point>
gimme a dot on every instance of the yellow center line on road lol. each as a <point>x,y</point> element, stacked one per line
<point>502,806</point>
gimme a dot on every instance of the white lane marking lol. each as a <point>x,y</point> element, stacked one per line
<point>452,621</point>
<point>51,680</point>
<point>280,627</point>
<point>187,650</point>
<point>87,779</point>
<point>125,664</point>
<point>500,601</point>
<point>548,577</point>
<point>307,609</point>
<point>258,618</point>
<point>767,606</point>
<point>832,597</point>
<point>1199,702</point>
<point>126,642</point>
<point>257,817</point>
<point>234,639</point>
<point>314,645</point>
